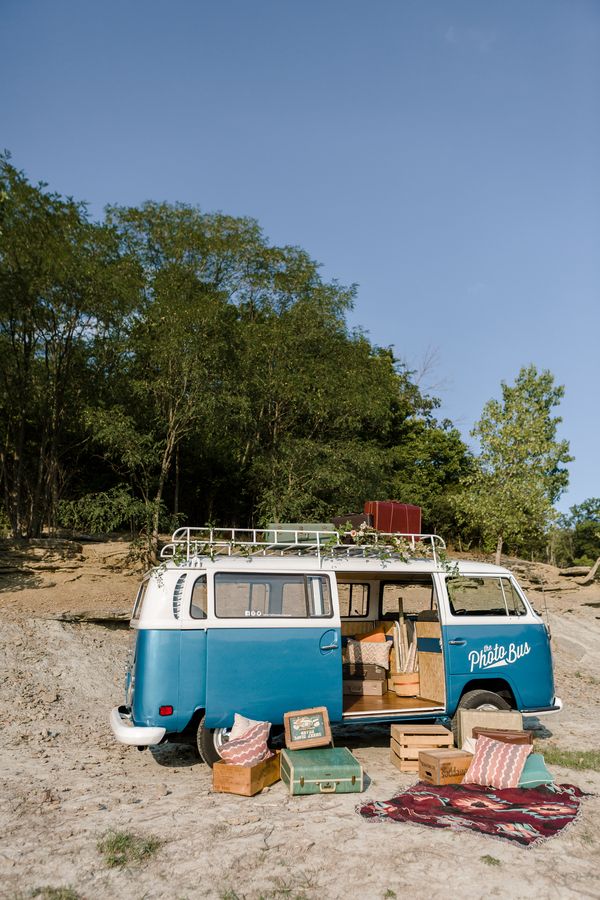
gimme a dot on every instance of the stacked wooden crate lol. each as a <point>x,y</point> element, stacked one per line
<point>408,740</point>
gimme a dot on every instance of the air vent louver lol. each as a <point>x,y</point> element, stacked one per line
<point>177,595</point>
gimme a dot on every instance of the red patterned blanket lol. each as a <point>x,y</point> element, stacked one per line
<point>522,815</point>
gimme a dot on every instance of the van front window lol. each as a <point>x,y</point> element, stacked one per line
<point>485,596</point>
<point>271,596</point>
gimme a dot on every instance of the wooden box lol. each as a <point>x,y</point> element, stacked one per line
<point>507,735</point>
<point>326,770</point>
<point>246,780</point>
<point>407,741</point>
<point>443,766</point>
<point>368,687</point>
<point>486,718</point>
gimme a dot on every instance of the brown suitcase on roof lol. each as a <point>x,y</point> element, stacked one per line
<point>392,517</point>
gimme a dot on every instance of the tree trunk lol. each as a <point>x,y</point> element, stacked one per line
<point>176,492</point>
<point>499,549</point>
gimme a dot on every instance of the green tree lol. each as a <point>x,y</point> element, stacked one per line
<point>576,540</point>
<point>520,471</point>
<point>62,282</point>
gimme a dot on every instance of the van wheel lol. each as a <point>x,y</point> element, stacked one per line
<point>483,700</point>
<point>209,742</point>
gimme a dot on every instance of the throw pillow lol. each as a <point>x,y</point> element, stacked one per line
<point>365,652</point>
<point>535,772</point>
<point>377,636</point>
<point>249,749</point>
<point>240,726</point>
<point>497,764</point>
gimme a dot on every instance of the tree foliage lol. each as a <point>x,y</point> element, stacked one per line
<point>576,539</point>
<point>520,471</point>
<point>62,283</point>
<point>171,362</point>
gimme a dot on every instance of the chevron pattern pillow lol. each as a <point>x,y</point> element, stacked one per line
<point>249,749</point>
<point>496,763</point>
<point>364,652</point>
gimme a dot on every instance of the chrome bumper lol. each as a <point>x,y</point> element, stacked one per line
<point>135,735</point>
<point>546,711</point>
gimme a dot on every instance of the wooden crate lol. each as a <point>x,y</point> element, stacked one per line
<point>407,741</point>
<point>447,766</point>
<point>246,780</point>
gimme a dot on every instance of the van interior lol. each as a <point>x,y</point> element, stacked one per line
<point>403,612</point>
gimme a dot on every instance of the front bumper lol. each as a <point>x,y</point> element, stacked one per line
<point>135,735</point>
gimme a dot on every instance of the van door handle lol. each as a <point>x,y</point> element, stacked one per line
<point>329,646</point>
<point>458,642</point>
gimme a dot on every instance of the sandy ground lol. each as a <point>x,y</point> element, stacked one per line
<point>66,782</point>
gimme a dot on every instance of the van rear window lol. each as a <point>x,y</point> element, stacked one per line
<point>244,596</point>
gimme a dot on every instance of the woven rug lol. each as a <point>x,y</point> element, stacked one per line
<point>522,815</point>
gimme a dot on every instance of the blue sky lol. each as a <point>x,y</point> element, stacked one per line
<point>442,154</point>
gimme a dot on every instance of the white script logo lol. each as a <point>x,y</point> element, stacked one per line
<point>492,657</point>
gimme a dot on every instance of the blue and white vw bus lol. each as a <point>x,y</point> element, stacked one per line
<point>256,622</point>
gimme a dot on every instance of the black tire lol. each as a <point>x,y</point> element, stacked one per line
<point>208,741</point>
<point>479,699</point>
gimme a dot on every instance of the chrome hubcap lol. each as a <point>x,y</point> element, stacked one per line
<point>220,737</point>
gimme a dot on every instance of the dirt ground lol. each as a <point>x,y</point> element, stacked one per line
<point>66,782</point>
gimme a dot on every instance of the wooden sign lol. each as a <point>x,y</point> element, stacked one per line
<point>307,728</point>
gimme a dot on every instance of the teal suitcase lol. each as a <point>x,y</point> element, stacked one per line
<point>323,770</point>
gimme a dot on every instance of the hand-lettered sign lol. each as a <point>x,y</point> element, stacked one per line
<point>307,728</point>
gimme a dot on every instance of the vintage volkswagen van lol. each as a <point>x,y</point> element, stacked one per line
<point>255,622</point>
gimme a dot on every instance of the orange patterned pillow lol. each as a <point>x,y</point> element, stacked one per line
<point>377,636</point>
<point>497,764</point>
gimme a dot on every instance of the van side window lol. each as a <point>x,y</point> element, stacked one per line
<point>139,601</point>
<point>240,595</point>
<point>515,605</point>
<point>483,597</point>
<point>354,599</point>
<point>408,597</point>
<point>199,601</point>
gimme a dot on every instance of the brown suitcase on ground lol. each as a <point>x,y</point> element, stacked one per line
<point>507,735</point>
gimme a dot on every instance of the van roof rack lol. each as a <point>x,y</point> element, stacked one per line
<point>188,543</point>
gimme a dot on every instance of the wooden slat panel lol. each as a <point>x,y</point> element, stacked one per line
<point>431,665</point>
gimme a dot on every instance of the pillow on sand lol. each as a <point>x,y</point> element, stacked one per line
<point>240,726</point>
<point>497,764</point>
<point>249,749</point>
<point>535,772</point>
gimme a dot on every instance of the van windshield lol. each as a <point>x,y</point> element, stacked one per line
<point>484,596</point>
